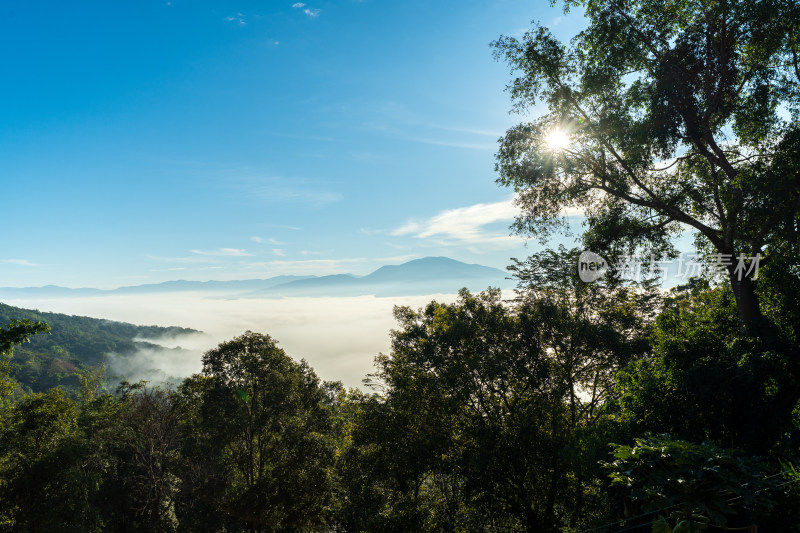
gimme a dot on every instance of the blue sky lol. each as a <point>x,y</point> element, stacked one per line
<point>154,140</point>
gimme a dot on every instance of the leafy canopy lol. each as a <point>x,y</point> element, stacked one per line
<point>678,114</point>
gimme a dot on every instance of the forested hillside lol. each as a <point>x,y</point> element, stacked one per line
<point>75,345</point>
<point>576,407</point>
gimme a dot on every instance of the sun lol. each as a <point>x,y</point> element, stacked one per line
<point>557,139</point>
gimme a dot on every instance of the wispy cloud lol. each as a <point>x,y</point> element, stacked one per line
<point>453,144</point>
<point>304,266</point>
<point>223,252</point>
<point>171,269</point>
<point>20,262</point>
<point>270,240</point>
<point>189,259</point>
<point>282,226</point>
<point>397,258</point>
<point>466,226</point>
<point>400,121</point>
<point>236,19</point>
<point>278,252</point>
<point>283,190</point>
<point>311,12</point>
<point>463,129</point>
<point>318,264</point>
<point>434,138</point>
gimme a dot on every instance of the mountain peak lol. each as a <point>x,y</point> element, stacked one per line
<point>426,275</point>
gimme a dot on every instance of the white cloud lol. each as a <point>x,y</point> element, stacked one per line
<point>464,129</point>
<point>398,120</point>
<point>238,19</point>
<point>20,262</point>
<point>189,259</point>
<point>469,225</point>
<point>278,252</point>
<point>319,262</point>
<point>468,144</point>
<point>283,190</point>
<point>293,228</point>
<point>223,252</point>
<point>304,266</point>
<point>311,12</point>
<point>397,258</point>
<point>270,240</point>
<point>464,224</point>
<point>347,332</point>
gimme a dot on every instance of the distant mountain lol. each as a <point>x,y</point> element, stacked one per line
<point>420,276</point>
<point>232,286</point>
<point>48,291</point>
<point>432,268</point>
<point>78,343</point>
<point>223,287</point>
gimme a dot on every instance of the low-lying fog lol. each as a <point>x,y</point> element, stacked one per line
<point>339,337</point>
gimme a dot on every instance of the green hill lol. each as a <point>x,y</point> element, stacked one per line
<point>76,344</point>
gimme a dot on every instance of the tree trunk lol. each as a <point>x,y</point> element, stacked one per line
<point>746,300</point>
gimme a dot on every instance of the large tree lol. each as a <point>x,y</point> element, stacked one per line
<point>17,332</point>
<point>662,116</point>
<point>258,441</point>
<point>480,427</point>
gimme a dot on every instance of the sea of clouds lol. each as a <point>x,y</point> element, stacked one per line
<point>339,337</point>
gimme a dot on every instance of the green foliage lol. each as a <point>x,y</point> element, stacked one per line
<point>76,347</point>
<point>480,425</point>
<point>488,416</point>
<point>246,447</point>
<point>684,523</point>
<point>707,381</point>
<point>17,332</point>
<point>694,484</point>
<point>257,443</point>
<point>649,94</point>
<point>43,486</point>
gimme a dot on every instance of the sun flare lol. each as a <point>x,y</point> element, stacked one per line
<point>557,139</point>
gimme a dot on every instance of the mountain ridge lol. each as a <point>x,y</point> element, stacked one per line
<point>418,276</point>
<point>427,274</point>
<point>78,344</point>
